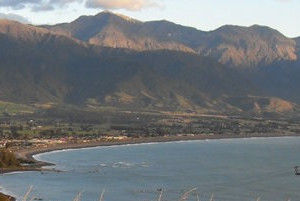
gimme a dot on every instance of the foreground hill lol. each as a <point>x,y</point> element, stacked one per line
<point>42,66</point>
<point>230,45</point>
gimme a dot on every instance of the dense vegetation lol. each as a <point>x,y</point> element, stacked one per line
<point>6,198</point>
<point>90,125</point>
<point>8,159</point>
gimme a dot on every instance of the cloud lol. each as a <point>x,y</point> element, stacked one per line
<point>36,5</point>
<point>48,5</point>
<point>133,5</point>
<point>14,17</point>
<point>44,7</point>
<point>63,2</point>
<point>16,4</point>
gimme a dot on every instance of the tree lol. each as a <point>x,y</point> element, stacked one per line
<point>8,159</point>
<point>14,131</point>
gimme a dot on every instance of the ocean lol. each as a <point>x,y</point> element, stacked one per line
<point>227,169</point>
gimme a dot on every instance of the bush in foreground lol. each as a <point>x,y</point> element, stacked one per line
<point>8,159</point>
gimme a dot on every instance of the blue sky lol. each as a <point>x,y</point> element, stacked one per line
<point>283,15</point>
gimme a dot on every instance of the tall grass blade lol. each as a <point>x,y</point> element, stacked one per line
<point>212,197</point>
<point>186,194</point>
<point>33,198</point>
<point>160,195</point>
<point>198,198</point>
<point>27,194</point>
<point>102,195</point>
<point>78,197</point>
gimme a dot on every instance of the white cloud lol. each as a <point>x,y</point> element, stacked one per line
<point>48,5</point>
<point>16,4</point>
<point>44,7</point>
<point>36,5</point>
<point>14,17</point>
<point>133,5</point>
<point>63,2</point>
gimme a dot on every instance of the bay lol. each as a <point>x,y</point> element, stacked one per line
<point>230,169</point>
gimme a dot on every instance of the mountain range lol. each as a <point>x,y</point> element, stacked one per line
<point>110,60</point>
<point>230,45</point>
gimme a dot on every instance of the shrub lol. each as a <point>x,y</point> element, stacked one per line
<point>8,159</point>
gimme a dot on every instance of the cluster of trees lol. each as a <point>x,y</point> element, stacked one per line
<point>8,159</point>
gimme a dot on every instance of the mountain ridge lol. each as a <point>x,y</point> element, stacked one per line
<point>40,66</point>
<point>88,29</point>
<point>230,45</point>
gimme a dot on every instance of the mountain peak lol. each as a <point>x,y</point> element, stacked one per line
<point>229,28</point>
<point>265,30</point>
<point>7,22</point>
<point>256,28</point>
<point>248,46</point>
<point>19,30</point>
<point>112,14</point>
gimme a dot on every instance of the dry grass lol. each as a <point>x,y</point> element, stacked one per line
<point>160,195</point>
<point>184,197</point>
<point>78,197</point>
<point>102,195</point>
<point>27,194</point>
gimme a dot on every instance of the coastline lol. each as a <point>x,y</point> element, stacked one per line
<point>28,154</point>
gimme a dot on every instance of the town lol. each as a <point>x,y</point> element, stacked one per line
<point>126,126</point>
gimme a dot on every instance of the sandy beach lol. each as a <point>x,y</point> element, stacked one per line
<point>27,154</point>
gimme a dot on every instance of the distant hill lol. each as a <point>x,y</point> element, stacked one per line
<point>230,45</point>
<point>298,45</point>
<point>112,30</point>
<point>248,46</point>
<point>44,65</point>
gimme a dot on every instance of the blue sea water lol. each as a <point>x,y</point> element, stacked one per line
<point>230,169</point>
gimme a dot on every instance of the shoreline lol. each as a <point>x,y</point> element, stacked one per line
<point>28,154</point>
